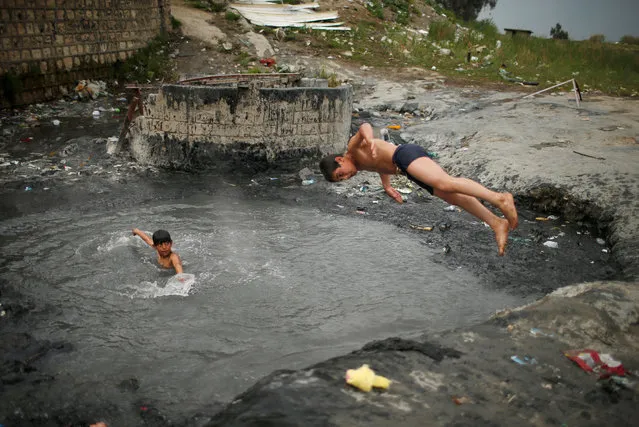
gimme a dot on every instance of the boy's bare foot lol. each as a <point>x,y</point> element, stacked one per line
<point>501,235</point>
<point>507,207</point>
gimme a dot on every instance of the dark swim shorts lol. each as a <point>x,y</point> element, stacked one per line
<point>404,156</point>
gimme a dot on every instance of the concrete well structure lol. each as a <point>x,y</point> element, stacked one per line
<point>259,121</point>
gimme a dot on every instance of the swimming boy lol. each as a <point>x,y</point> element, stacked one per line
<point>162,243</point>
<point>370,154</point>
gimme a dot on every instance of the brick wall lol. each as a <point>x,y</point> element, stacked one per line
<point>199,126</point>
<point>46,46</point>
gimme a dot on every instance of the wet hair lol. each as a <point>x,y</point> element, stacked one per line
<point>161,236</point>
<point>328,165</point>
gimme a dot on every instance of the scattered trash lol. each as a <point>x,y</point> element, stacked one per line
<point>461,400</point>
<point>27,188</point>
<point>525,361</point>
<point>3,313</point>
<point>26,139</point>
<point>268,62</point>
<point>552,217</point>
<point>446,249</point>
<point>361,211</point>
<point>538,332</point>
<point>433,155</point>
<point>450,208</point>
<point>384,133</point>
<point>364,378</point>
<point>273,178</point>
<point>308,181</point>
<point>551,244</point>
<point>519,239</point>
<point>87,89</point>
<point>96,113</point>
<point>592,361</point>
<point>542,218</point>
<point>547,386</point>
<point>394,127</point>
<point>444,226</point>
<point>421,227</point>
<point>363,188</point>
<point>510,328</point>
<point>100,424</point>
<point>56,122</point>
<point>601,241</point>
<point>405,190</point>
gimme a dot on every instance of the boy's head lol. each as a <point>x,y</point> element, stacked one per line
<point>336,167</point>
<point>162,238</point>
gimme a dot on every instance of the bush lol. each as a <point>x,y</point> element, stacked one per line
<point>597,38</point>
<point>629,40</point>
<point>557,33</point>
<point>442,30</point>
<point>175,23</point>
<point>231,16</point>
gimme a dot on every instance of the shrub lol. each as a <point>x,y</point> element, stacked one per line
<point>629,40</point>
<point>231,16</point>
<point>597,38</point>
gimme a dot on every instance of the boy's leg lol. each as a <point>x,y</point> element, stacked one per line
<point>429,172</point>
<point>473,206</point>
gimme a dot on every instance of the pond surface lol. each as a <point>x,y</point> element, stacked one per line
<point>275,287</point>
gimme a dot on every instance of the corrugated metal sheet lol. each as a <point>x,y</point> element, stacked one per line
<point>263,13</point>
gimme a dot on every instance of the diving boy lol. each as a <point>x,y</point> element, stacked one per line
<point>162,243</point>
<point>370,154</point>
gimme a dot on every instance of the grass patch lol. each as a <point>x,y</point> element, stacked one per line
<point>175,23</point>
<point>149,64</point>
<point>244,59</point>
<point>231,16</point>
<point>610,68</point>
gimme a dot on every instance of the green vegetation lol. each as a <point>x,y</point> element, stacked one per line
<point>231,16</point>
<point>595,64</point>
<point>210,5</point>
<point>175,23</point>
<point>629,40</point>
<point>557,33</point>
<point>149,64</point>
<point>333,81</point>
<point>400,8</point>
<point>244,59</point>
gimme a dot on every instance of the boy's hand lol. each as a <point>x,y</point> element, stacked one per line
<point>394,194</point>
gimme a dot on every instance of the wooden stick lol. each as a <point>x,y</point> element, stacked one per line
<point>588,155</point>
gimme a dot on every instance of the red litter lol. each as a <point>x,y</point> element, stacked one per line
<point>591,361</point>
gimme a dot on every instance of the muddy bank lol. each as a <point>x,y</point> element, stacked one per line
<point>468,377</point>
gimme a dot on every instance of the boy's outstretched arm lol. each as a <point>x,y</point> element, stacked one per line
<point>363,135</point>
<point>388,188</point>
<point>177,263</point>
<point>143,235</point>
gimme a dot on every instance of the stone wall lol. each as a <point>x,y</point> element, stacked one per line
<point>46,46</point>
<point>203,126</point>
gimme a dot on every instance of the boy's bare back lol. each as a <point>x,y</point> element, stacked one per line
<point>382,162</point>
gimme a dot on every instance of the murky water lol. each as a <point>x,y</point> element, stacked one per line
<point>275,287</point>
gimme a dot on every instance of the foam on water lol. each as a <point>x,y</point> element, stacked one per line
<point>179,285</point>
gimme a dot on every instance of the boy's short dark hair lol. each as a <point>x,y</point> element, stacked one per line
<point>161,236</point>
<point>328,165</point>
